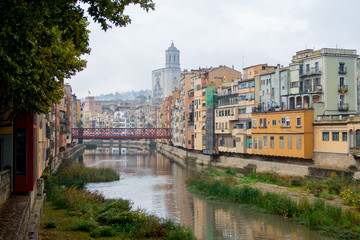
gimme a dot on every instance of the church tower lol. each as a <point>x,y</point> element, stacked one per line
<point>166,80</point>
<point>172,57</point>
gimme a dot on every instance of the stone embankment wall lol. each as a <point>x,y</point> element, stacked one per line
<point>65,155</point>
<point>4,186</point>
<point>338,160</point>
<point>242,165</point>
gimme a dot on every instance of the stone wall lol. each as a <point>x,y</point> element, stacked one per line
<point>4,186</point>
<point>336,160</point>
<point>242,165</point>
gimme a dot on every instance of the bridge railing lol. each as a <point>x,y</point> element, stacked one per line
<point>121,133</point>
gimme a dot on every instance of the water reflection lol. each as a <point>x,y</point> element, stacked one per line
<point>155,183</point>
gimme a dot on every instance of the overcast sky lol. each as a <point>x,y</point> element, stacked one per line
<point>211,33</point>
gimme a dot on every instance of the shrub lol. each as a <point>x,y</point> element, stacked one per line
<point>253,174</point>
<point>230,172</point>
<point>180,233</point>
<point>84,225</point>
<point>102,231</point>
<point>50,224</point>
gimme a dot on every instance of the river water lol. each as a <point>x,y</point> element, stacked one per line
<point>157,184</point>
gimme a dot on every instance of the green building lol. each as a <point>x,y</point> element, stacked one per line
<point>325,80</point>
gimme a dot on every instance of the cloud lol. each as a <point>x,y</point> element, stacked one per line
<point>211,33</point>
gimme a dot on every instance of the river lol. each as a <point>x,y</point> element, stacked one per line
<point>156,183</point>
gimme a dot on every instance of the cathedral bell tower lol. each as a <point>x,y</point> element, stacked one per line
<point>172,57</point>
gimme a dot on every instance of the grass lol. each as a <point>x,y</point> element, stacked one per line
<point>78,175</point>
<point>82,215</point>
<point>317,215</point>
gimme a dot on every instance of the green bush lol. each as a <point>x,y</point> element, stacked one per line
<point>50,224</point>
<point>230,172</point>
<point>103,231</point>
<point>84,225</point>
<point>180,233</point>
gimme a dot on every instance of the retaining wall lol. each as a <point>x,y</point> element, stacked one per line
<point>242,165</point>
<point>337,160</point>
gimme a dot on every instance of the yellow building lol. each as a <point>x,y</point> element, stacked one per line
<point>336,141</point>
<point>283,133</point>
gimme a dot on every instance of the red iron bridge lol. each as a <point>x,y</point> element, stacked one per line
<point>121,133</point>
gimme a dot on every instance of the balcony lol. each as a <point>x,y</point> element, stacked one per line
<point>342,70</point>
<point>312,71</point>
<point>343,88</point>
<point>343,106</point>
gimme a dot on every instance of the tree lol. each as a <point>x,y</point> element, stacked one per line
<point>41,44</point>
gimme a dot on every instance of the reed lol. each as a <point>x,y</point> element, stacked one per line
<point>318,215</point>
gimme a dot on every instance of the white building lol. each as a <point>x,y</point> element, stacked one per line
<point>166,80</point>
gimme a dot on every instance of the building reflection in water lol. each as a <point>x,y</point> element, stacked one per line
<point>155,183</point>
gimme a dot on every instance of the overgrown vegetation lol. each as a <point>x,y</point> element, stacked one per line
<point>98,217</point>
<point>327,188</point>
<point>318,215</point>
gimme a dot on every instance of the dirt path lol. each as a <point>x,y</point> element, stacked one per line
<point>297,194</point>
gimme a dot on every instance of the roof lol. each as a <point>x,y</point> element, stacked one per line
<point>172,48</point>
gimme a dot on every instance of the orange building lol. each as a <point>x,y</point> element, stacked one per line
<point>283,133</point>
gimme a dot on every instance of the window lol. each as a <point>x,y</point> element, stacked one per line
<point>307,68</point>
<point>255,143</point>
<point>281,142</point>
<point>234,143</point>
<point>316,82</point>
<point>289,140</point>
<point>341,81</point>
<point>344,136</point>
<point>307,85</point>
<point>301,86</point>
<point>274,122</point>
<point>282,121</point>
<point>293,84</point>
<point>272,142</point>
<point>298,142</point>
<point>198,87</point>
<point>316,67</point>
<point>265,141</point>
<point>325,136</point>
<point>301,69</point>
<point>298,121</point>
<point>242,110</point>
<point>341,67</point>
<point>260,143</point>
<point>222,142</point>
<point>335,136</point>
<point>254,123</point>
<point>288,122</point>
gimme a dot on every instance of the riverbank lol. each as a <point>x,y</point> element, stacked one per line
<point>75,213</point>
<point>327,217</point>
<point>246,164</point>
